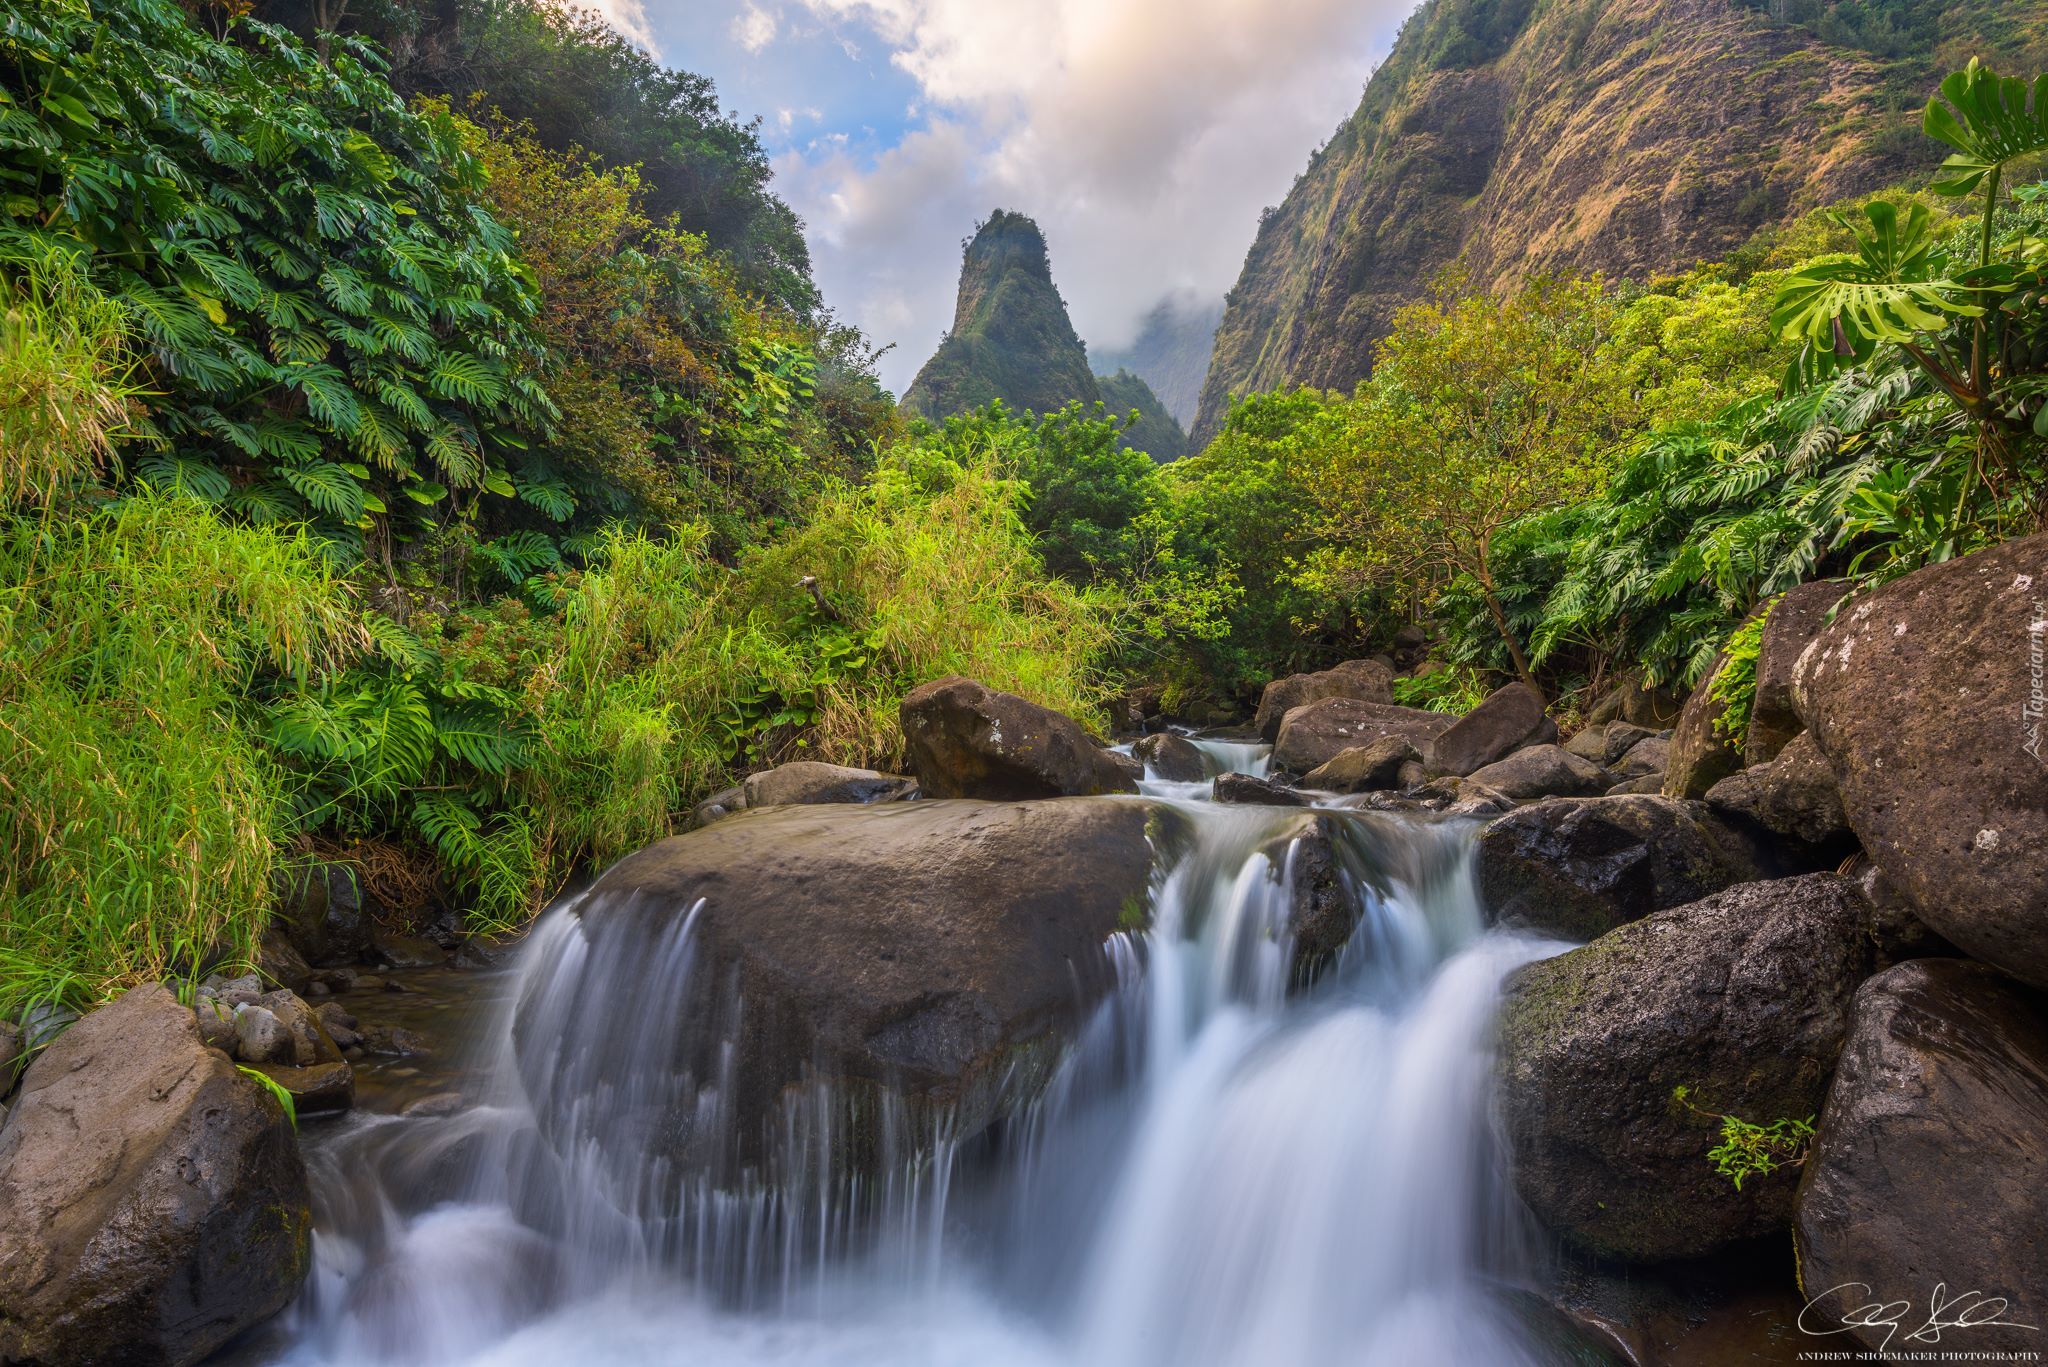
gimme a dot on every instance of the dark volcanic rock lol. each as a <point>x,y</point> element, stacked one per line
<point>1365,768</point>
<point>1510,718</point>
<point>1793,795</point>
<point>152,1199</point>
<point>1927,698</point>
<point>810,781</point>
<point>932,954</point>
<point>323,911</point>
<point>1931,1162</point>
<point>1741,998</point>
<point>1796,618</point>
<point>1579,867</point>
<point>1363,680</point>
<point>1700,755</point>
<point>1173,758</point>
<point>1543,771</point>
<point>1316,733</point>
<point>965,740</point>
<point>1245,790</point>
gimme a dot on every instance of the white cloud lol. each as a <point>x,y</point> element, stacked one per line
<point>628,17</point>
<point>1143,135</point>
<point>753,28</point>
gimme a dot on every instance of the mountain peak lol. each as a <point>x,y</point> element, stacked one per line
<point>1011,337</point>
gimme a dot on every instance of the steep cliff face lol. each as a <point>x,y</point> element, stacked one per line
<point>1627,136</point>
<point>1155,432</point>
<point>1011,337</point>
<point>1171,353</point>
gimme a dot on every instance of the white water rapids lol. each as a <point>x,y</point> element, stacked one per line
<point>1221,1173</point>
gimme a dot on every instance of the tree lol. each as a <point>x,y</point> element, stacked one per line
<point>1479,413</point>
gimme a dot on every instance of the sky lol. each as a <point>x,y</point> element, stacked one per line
<point>1145,136</point>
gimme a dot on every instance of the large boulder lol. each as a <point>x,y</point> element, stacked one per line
<point>1930,1167</point>
<point>1796,618</point>
<point>1543,771</point>
<point>1313,735</point>
<point>1578,867</point>
<point>1510,718</point>
<point>1741,999</point>
<point>1363,680</point>
<point>965,740</point>
<point>153,1203</point>
<point>1630,701</point>
<point>805,781</point>
<point>730,997</point>
<point>1929,698</point>
<point>1700,755</point>
<point>1173,758</point>
<point>1644,757</point>
<point>1793,795</point>
<point>1365,768</point>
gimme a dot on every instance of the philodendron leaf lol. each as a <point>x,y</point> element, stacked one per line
<point>1989,121</point>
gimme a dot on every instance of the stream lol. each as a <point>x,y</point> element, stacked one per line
<point>1219,1173</point>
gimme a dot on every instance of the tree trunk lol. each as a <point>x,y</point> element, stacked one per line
<point>1500,622</point>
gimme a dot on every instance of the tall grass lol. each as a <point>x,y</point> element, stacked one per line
<point>139,814</point>
<point>65,374</point>
<point>674,674</point>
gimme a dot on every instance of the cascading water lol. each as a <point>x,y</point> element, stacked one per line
<point>1220,1172</point>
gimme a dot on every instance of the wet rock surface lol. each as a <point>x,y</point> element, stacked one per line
<point>1930,1167</point>
<point>1923,697</point>
<point>1362,680</point>
<point>809,781</point>
<point>1316,733</point>
<point>1742,999</point>
<point>965,740</point>
<point>1365,768</point>
<point>1543,771</point>
<point>1509,718</point>
<point>923,950</point>
<point>1173,758</point>
<point>1578,867</point>
<point>153,1203</point>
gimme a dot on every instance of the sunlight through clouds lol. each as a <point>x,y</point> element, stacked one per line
<point>1144,135</point>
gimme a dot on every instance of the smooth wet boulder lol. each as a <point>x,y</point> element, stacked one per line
<point>1578,867</point>
<point>1362,680</point>
<point>809,781</point>
<point>1930,1166</point>
<point>1645,757</point>
<point>965,740</point>
<point>153,1203</point>
<point>1173,758</point>
<point>1510,718</point>
<point>1927,697</point>
<point>1543,771</point>
<point>1795,619</point>
<point>1742,999</point>
<point>1316,733</point>
<point>1365,768</point>
<point>928,958</point>
<point>1246,791</point>
<point>1793,795</point>
<point>1700,755</point>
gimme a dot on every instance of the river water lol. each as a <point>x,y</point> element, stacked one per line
<point>1220,1173</point>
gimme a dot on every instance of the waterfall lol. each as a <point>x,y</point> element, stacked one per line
<point>1225,1169</point>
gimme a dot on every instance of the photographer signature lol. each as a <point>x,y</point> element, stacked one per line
<point>1945,1311</point>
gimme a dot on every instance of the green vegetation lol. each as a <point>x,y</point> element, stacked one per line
<point>1748,1150</point>
<point>1011,340</point>
<point>1152,429</point>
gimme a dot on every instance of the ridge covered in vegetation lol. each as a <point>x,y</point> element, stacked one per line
<point>1529,138</point>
